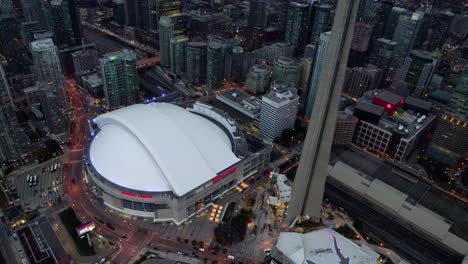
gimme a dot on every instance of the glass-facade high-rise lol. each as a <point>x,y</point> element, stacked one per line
<point>317,69</point>
<point>151,11</point>
<point>415,74</point>
<point>319,21</point>
<point>8,147</point>
<point>64,22</point>
<point>215,66</point>
<point>178,46</point>
<point>297,20</point>
<point>119,74</point>
<point>405,35</point>
<point>287,70</point>
<point>257,14</point>
<point>166,32</point>
<point>47,67</point>
<point>196,62</point>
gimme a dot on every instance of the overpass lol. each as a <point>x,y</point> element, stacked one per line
<point>148,62</point>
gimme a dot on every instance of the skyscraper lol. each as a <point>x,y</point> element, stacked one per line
<point>309,184</point>
<point>258,78</point>
<point>278,112</point>
<point>317,69</point>
<point>458,105</point>
<point>360,44</point>
<point>393,19</point>
<point>178,45</point>
<point>215,66</point>
<point>319,21</point>
<point>151,11</point>
<point>257,14</point>
<point>196,62</point>
<point>297,20</point>
<point>84,61</point>
<point>47,67</point>
<point>43,97</point>
<point>405,35</point>
<point>382,55</point>
<point>362,79</point>
<point>65,22</point>
<point>119,74</point>
<point>234,64</point>
<point>8,147</point>
<point>288,70</point>
<point>166,32</point>
<point>415,74</point>
<point>131,12</point>
<point>118,8</point>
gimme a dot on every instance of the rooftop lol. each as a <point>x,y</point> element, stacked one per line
<point>389,97</point>
<point>168,147</point>
<point>281,96</point>
<point>323,246</point>
<point>241,101</point>
<point>41,44</point>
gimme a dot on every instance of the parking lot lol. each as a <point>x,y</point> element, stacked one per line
<point>48,187</point>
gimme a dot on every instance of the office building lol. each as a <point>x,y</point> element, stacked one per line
<point>8,147</point>
<point>393,19</point>
<point>288,70</point>
<point>47,67</point>
<point>215,66</point>
<point>119,74</point>
<point>65,22</point>
<point>415,74</point>
<point>319,21</point>
<point>150,13</point>
<point>390,126</point>
<point>317,69</point>
<point>178,47</point>
<point>93,84</point>
<point>279,110</point>
<point>279,49</point>
<point>6,92</point>
<point>360,44</point>
<point>131,13</point>
<point>84,61</point>
<point>307,64</point>
<point>200,141</point>
<point>42,97</point>
<point>309,51</point>
<point>362,79</point>
<point>405,35</point>
<point>244,103</point>
<point>382,55</point>
<point>196,62</point>
<point>118,8</point>
<point>449,144</point>
<point>344,131</point>
<point>458,104</point>
<point>166,32</point>
<point>309,183</point>
<point>258,79</point>
<point>234,65</point>
<point>297,21</point>
<point>257,14</point>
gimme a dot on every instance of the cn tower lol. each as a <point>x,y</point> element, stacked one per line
<point>309,184</point>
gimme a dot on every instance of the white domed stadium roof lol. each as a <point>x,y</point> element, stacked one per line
<point>159,147</point>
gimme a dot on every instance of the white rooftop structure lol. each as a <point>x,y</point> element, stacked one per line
<point>159,147</point>
<point>323,246</point>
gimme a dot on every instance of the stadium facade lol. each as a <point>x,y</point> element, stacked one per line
<point>166,162</point>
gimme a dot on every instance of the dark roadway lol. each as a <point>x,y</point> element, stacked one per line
<point>406,242</point>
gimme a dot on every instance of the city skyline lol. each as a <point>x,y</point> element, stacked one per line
<point>223,131</point>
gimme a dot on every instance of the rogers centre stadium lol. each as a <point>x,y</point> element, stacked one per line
<point>166,162</point>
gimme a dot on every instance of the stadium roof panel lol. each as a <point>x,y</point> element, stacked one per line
<point>159,147</point>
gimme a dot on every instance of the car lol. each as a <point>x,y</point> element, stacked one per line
<point>230,257</point>
<point>267,251</point>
